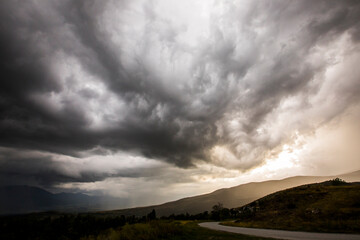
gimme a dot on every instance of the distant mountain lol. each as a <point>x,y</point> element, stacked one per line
<point>330,206</point>
<point>231,197</point>
<point>25,199</point>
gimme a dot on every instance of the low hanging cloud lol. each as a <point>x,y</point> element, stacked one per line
<point>46,169</point>
<point>225,83</point>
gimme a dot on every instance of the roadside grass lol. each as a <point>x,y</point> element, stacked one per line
<point>167,230</point>
<point>326,226</point>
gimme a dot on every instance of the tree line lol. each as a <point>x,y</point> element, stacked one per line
<point>54,225</point>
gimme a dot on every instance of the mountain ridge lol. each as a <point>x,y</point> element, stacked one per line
<point>231,197</point>
<point>32,199</point>
<point>21,199</point>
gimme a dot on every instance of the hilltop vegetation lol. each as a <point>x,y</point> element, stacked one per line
<point>331,206</point>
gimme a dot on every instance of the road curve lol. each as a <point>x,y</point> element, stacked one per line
<point>280,234</point>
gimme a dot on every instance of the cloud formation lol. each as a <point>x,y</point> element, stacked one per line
<point>224,83</point>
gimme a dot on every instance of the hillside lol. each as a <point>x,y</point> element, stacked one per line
<point>331,206</point>
<point>25,199</point>
<point>231,197</point>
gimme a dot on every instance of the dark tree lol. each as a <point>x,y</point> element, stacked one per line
<point>151,215</point>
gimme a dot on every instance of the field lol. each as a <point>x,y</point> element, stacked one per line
<point>175,230</point>
<point>94,227</point>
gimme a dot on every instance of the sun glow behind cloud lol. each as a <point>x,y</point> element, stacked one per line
<point>286,163</point>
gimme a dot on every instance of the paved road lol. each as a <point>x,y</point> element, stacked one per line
<point>280,234</point>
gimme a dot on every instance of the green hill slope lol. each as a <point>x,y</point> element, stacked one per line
<point>331,206</point>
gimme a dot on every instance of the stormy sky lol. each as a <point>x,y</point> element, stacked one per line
<point>155,100</point>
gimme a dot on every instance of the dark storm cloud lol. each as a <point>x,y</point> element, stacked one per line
<point>37,168</point>
<point>248,65</point>
<point>29,124</point>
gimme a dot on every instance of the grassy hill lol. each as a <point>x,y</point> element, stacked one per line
<point>230,197</point>
<point>331,206</point>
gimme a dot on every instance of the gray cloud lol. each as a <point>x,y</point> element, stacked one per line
<point>37,168</point>
<point>122,76</point>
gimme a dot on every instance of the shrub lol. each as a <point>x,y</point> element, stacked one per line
<point>337,182</point>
